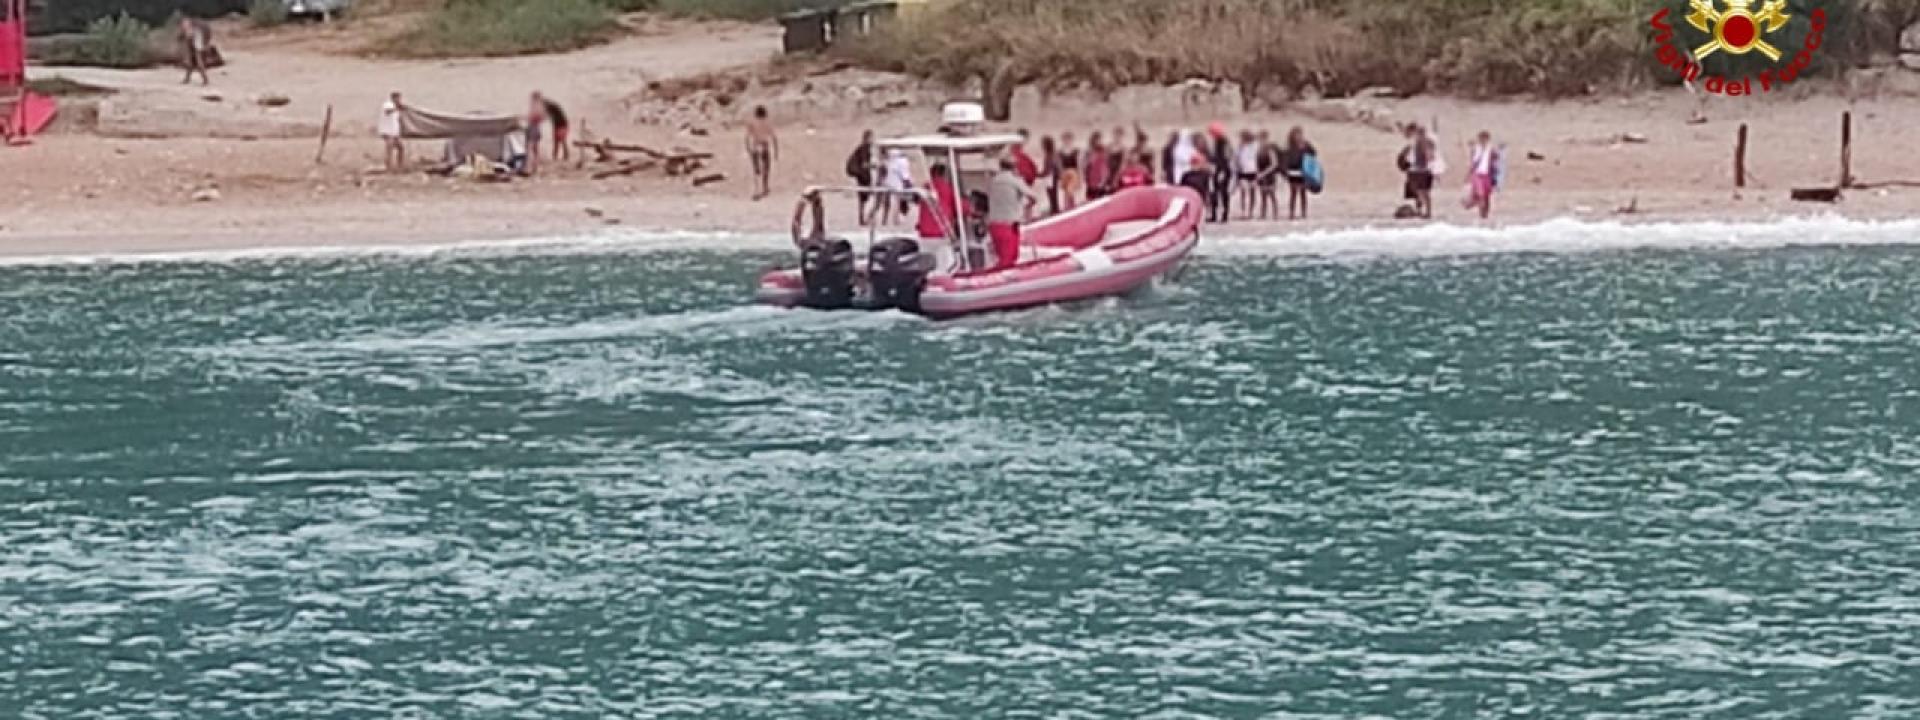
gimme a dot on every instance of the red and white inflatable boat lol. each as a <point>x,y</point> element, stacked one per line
<point>1106,247</point>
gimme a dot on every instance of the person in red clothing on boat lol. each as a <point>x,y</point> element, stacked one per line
<point>1008,201</point>
<point>935,214</point>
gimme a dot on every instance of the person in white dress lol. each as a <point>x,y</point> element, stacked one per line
<point>396,150</point>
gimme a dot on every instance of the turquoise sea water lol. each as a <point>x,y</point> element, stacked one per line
<point>1654,483</point>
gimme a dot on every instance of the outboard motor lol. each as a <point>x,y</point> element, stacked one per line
<point>826,266</point>
<point>896,273</point>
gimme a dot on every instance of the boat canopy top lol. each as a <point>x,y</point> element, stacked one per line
<point>960,144</point>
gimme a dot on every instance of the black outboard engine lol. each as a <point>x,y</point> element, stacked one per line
<point>896,273</point>
<point>826,266</point>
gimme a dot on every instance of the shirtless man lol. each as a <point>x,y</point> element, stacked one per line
<point>763,147</point>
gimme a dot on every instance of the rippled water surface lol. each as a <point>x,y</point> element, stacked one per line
<point>1637,484</point>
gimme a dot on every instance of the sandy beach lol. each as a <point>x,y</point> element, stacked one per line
<point>106,186</point>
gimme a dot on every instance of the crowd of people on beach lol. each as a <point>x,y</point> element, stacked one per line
<point>1238,175</point>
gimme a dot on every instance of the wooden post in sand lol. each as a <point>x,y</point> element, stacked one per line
<point>1846,149</point>
<point>1740,159</point>
<point>326,129</point>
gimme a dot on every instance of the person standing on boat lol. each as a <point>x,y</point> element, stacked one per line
<point>936,212</point>
<point>1007,202</point>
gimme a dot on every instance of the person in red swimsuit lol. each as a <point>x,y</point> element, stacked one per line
<point>935,218</point>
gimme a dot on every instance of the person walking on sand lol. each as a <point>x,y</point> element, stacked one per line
<point>394,152</point>
<point>196,39</point>
<point>1483,177</point>
<point>1295,162</point>
<point>860,172</point>
<point>1008,199</point>
<point>763,147</point>
<point>1024,165</point>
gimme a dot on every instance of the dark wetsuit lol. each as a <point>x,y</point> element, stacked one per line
<point>1220,203</point>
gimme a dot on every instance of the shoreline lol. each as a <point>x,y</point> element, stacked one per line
<point>1559,234</point>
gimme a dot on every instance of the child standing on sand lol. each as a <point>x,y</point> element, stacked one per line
<point>1483,174</point>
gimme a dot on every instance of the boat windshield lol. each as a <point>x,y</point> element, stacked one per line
<point>971,161</point>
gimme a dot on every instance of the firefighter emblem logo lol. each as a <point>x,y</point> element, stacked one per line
<point>1738,29</point>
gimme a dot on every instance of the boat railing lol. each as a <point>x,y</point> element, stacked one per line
<point>810,216</point>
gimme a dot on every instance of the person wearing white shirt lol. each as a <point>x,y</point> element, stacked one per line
<point>898,179</point>
<point>396,150</point>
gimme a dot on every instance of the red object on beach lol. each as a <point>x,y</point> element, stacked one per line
<point>21,113</point>
<point>1218,130</point>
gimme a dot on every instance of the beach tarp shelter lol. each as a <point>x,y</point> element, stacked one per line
<point>466,135</point>
<point>22,113</point>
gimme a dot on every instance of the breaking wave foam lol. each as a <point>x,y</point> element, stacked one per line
<point>1560,235</point>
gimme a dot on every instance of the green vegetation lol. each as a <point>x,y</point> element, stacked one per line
<point>465,28</point>
<point>267,13</point>
<point>115,42</point>
<point>1475,47</point>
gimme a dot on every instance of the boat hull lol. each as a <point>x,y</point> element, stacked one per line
<point>1080,255</point>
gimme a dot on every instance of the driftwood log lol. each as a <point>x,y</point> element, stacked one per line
<point>675,164</point>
